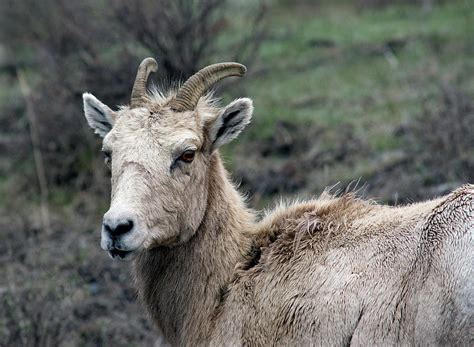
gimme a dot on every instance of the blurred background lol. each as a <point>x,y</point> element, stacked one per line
<point>376,94</point>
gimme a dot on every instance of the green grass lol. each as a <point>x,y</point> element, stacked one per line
<point>351,80</point>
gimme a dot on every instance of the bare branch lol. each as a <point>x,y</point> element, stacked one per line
<point>30,113</point>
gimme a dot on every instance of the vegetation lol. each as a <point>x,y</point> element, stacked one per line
<point>341,91</point>
<point>374,94</point>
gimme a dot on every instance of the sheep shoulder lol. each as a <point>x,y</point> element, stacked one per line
<point>340,269</point>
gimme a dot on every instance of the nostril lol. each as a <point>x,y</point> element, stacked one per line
<point>123,227</point>
<point>107,228</point>
<point>117,229</point>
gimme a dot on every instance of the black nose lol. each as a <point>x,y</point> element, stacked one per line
<point>117,228</point>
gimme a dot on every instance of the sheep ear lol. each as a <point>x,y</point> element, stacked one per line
<point>230,122</point>
<point>99,116</point>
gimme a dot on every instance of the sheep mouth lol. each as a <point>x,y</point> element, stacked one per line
<point>119,254</point>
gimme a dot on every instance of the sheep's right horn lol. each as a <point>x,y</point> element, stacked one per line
<point>147,66</point>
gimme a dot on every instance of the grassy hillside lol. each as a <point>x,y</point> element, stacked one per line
<point>358,78</point>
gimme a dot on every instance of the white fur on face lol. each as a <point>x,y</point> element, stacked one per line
<point>167,195</point>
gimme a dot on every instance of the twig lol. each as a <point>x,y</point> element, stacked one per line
<point>34,135</point>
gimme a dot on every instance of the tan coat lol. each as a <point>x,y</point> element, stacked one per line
<point>333,271</point>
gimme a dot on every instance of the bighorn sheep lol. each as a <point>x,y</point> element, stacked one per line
<point>331,271</point>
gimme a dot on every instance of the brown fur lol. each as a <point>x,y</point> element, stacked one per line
<point>331,271</point>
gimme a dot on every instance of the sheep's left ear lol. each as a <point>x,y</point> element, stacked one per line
<point>230,122</point>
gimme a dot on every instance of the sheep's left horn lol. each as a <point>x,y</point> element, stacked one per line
<point>147,66</point>
<point>188,95</point>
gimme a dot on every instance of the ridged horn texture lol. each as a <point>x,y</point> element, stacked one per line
<point>147,66</point>
<point>188,95</point>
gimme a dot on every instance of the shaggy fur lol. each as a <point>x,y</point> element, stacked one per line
<point>339,271</point>
<point>332,271</point>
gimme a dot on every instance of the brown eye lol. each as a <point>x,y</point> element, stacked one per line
<point>187,156</point>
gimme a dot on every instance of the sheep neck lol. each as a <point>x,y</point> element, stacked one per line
<point>181,287</point>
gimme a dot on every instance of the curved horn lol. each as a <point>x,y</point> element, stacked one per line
<point>147,66</point>
<point>188,95</point>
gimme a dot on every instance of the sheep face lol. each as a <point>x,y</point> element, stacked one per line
<point>159,161</point>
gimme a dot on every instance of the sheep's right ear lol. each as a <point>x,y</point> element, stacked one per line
<point>99,116</point>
